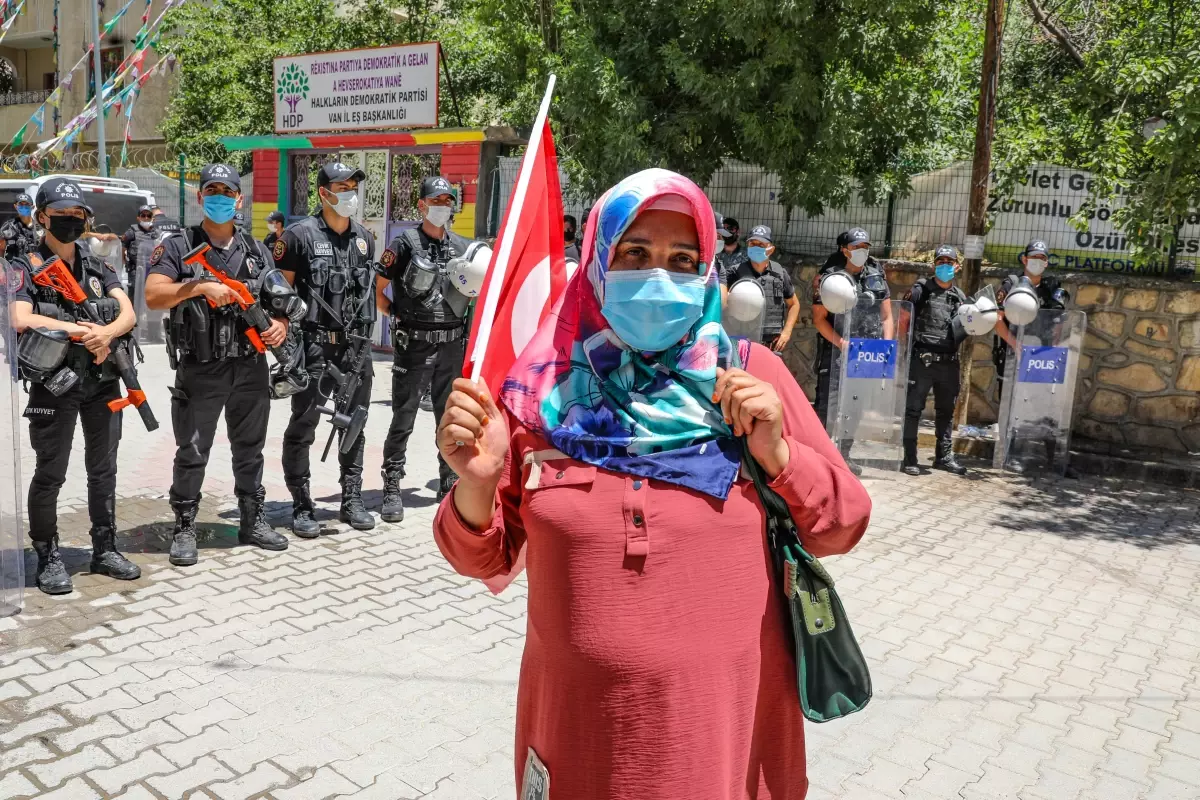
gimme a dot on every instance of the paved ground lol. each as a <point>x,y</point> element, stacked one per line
<point>1028,640</point>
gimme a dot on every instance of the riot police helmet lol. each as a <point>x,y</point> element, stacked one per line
<point>746,300</point>
<point>839,293</point>
<point>1021,304</point>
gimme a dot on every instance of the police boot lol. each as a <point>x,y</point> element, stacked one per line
<point>945,458</point>
<point>52,577</point>
<point>353,511</point>
<point>844,448</point>
<point>183,539</point>
<point>254,528</point>
<point>105,558</point>
<point>393,503</point>
<point>910,457</point>
<point>304,524</point>
<point>445,484</point>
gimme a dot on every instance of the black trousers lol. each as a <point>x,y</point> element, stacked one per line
<point>411,368</point>
<point>942,377</point>
<point>51,431</point>
<point>302,427</point>
<point>237,386</point>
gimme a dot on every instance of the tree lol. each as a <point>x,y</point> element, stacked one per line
<point>1081,84</point>
<point>825,94</point>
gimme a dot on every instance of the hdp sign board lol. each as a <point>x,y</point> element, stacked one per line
<point>1043,365</point>
<point>871,358</point>
<point>369,89</point>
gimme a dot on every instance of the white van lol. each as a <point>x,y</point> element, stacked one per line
<point>115,200</point>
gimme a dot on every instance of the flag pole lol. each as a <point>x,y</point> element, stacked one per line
<point>504,253</point>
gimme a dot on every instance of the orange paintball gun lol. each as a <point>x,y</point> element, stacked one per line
<point>252,313</point>
<point>55,274</point>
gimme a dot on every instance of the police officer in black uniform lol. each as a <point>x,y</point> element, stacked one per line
<point>275,225</point>
<point>852,257</point>
<point>138,241</point>
<point>330,259</point>
<point>55,403</point>
<point>428,330</point>
<point>732,254</point>
<point>570,240</point>
<point>216,366</point>
<point>20,235</point>
<point>1051,295</point>
<point>782,306</point>
<point>164,225</point>
<point>934,364</point>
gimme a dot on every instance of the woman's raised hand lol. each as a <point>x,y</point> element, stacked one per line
<point>753,409</point>
<point>472,435</point>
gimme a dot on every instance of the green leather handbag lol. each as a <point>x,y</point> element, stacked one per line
<point>831,672</point>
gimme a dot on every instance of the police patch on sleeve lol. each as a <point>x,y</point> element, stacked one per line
<point>96,286</point>
<point>16,279</point>
<point>362,245</point>
<point>280,249</point>
<point>388,258</point>
<point>157,255</point>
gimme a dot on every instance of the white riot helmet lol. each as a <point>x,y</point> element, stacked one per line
<point>1021,305</point>
<point>839,293</point>
<point>746,300</point>
<point>979,316</point>
<point>468,270</point>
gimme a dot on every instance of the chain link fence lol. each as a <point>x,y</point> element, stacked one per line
<point>932,212</point>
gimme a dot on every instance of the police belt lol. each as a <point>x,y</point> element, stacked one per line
<point>928,357</point>
<point>322,336</point>
<point>434,335</point>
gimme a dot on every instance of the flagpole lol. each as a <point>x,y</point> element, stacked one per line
<point>101,145</point>
<point>500,265</point>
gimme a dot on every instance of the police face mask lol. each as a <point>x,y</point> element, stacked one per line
<point>344,204</point>
<point>757,254</point>
<point>145,224</point>
<point>438,216</point>
<point>652,309</point>
<point>1035,266</point>
<point>220,208</point>
<point>859,257</point>
<point>66,229</point>
<point>24,211</point>
<point>944,272</point>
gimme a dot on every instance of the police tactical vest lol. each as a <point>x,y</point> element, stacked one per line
<point>20,240</point>
<point>340,290</point>
<point>49,303</point>
<point>409,311</point>
<point>870,281</point>
<point>201,332</point>
<point>934,314</point>
<point>140,248</point>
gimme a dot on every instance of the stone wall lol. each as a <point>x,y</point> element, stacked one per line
<point>1138,391</point>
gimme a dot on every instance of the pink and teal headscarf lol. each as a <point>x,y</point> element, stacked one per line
<point>600,402</point>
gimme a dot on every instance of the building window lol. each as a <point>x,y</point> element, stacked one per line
<point>110,60</point>
<point>49,81</point>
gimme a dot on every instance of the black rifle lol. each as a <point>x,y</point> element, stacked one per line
<point>347,419</point>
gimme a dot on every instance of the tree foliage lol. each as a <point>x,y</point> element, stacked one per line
<point>1082,90</point>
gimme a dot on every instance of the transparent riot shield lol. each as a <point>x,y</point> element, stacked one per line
<point>12,519</point>
<point>1034,430</point>
<point>868,382</point>
<point>151,324</point>
<point>745,309</point>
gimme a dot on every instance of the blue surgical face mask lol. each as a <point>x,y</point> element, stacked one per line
<point>757,254</point>
<point>219,208</point>
<point>652,309</point>
<point>24,211</point>
<point>944,272</point>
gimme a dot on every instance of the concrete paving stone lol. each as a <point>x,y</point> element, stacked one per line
<point>107,703</point>
<point>1130,765</point>
<point>177,784</point>
<point>1109,786</point>
<point>324,783</point>
<point>74,789</point>
<point>129,745</point>
<point>194,746</point>
<point>145,765</point>
<point>1137,740</point>
<point>31,750</point>
<point>31,727</point>
<point>265,777</point>
<point>99,728</point>
<point>73,671</point>
<point>14,784</point>
<point>1184,767</point>
<point>53,773</point>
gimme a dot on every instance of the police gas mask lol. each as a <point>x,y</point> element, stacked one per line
<point>280,297</point>
<point>421,280</point>
<point>41,353</point>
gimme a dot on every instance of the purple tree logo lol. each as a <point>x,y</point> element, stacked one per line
<point>292,86</point>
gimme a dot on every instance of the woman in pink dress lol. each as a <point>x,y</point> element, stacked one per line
<point>658,664</point>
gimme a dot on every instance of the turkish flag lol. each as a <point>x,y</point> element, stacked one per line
<point>528,271</point>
